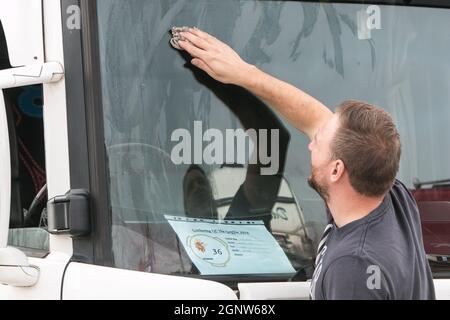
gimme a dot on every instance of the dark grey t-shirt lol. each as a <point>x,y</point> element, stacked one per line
<point>380,256</point>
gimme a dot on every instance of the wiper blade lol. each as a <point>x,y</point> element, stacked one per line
<point>418,184</point>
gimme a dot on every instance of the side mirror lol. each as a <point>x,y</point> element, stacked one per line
<point>15,269</point>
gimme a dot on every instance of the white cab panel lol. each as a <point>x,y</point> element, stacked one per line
<point>274,291</point>
<point>55,119</point>
<point>88,282</point>
<point>22,24</point>
<point>442,287</point>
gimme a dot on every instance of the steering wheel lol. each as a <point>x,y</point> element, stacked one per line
<point>34,215</point>
<point>160,156</point>
<point>141,161</point>
<point>138,145</point>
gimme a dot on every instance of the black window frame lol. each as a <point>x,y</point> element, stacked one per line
<point>87,156</point>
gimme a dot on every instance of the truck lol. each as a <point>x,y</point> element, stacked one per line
<point>123,168</point>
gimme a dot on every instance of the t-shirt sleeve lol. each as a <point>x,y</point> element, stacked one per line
<point>353,278</point>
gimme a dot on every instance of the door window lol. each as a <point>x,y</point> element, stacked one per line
<point>24,108</point>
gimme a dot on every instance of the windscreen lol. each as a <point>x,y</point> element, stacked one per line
<point>205,178</point>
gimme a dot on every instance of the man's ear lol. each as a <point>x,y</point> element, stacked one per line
<point>337,170</point>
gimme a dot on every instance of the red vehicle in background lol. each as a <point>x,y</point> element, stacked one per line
<point>433,200</point>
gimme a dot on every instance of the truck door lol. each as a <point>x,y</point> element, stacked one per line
<point>176,189</point>
<point>32,262</point>
<point>140,106</point>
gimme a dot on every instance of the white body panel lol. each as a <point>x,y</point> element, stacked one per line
<point>25,40</point>
<point>300,290</point>
<point>274,291</point>
<point>55,120</point>
<point>442,287</point>
<point>83,281</point>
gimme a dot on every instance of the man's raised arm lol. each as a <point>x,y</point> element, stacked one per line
<point>223,64</point>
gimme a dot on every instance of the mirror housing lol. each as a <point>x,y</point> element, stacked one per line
<point>15,269</point>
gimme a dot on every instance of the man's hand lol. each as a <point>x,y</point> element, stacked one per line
<point>223,64</point>
<point>214,57</point>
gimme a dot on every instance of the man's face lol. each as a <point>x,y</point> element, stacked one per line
<point>321,163</point>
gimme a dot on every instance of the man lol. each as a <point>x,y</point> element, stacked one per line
<point>372,248</point>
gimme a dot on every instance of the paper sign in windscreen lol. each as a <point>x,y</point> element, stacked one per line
<point>230,247</point>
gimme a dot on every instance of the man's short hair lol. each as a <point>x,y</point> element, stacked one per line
<point>368,143</point>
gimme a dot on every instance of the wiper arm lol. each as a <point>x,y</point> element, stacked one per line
<point>418,184</point>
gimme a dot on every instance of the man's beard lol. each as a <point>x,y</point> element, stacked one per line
<point>320,188</point>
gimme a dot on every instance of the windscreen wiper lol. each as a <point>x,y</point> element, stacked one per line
<point>435,183</point>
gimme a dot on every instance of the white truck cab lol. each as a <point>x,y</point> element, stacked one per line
<point>102,194</point>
